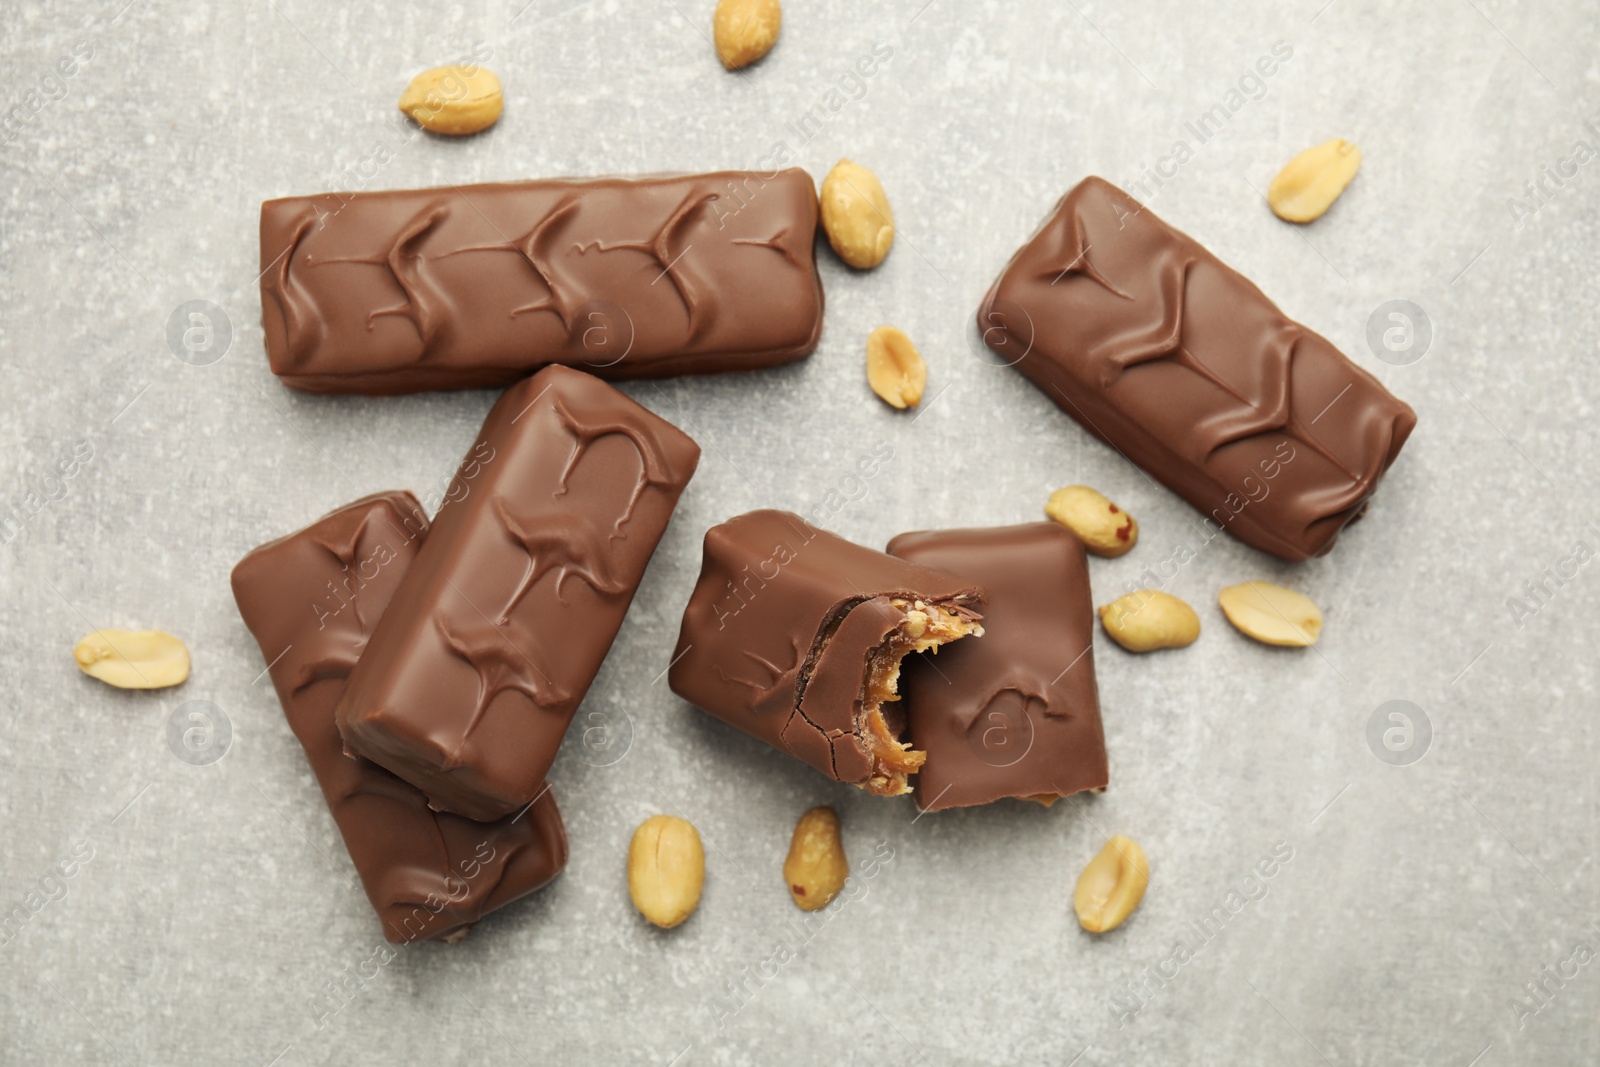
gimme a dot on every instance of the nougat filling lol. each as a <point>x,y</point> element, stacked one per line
<point>879,721</point>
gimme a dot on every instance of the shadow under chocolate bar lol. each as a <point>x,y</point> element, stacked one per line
<point>1181,364</point>
<point>311,599</point>
<point>1016,714</point>
<point>491,642</point>
<point>623,277</point>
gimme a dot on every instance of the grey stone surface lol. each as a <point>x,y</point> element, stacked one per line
<point>1420,900</point>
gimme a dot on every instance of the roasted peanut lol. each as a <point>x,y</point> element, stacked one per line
<point>1111,886</point>
<point>1310,182</point>
<point>1105,529</point>
<point>895,369</point>
<point>666,870</point>
<point>454,100</point>
<point>745,30</point>
<point>856,215</point>
<point>1272,614</point>
<point>133,659</point>
<point>1146,620</point>
<point>816,866</point>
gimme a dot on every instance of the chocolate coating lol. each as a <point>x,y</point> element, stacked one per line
<point>516,595</point>
<point>625,277</point>
<point>1181,364</point>
<point>776,636</point>
<point>311,599</point>
<point>1016,714</point>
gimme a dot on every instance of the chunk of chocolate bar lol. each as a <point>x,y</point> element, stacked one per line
<point>395,292</point>
<point>312,599</point>
<point>1186,368</point>
<point>1016,714</point>
<point>516,595</point>
<point>795,636</point>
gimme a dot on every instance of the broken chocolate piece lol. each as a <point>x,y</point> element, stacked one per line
<point>478,285</point>
<point>796,636</point>
<point>1181,364</point>
<point>311,599</point>
<point>518,592</point>
<point>1016,714</point>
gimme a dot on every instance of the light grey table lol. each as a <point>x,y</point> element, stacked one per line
<point>217,910</point>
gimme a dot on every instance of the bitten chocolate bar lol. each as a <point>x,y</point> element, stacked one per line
<point>395,292</point>
<point>311,599</point>
<point>1181,364</point>
<point>1016,714</point>
<point>795,636</point>
<point>493,638</point>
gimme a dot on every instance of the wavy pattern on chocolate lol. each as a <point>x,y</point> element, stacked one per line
<point>472,678</point>
<point>1160,349</point>
<point>312,599</point>
<point>392,292</point>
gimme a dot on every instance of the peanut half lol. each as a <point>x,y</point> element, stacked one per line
<point>1111,886</point>
<point>856,215</point>
<point>816,866</point>
<point>1272,614</point>
<point>666,870</point>
<point>1105,529</point>
<point>133,659</point>
<point>895,369</point>
<point>1146,620</point>
<point>454,100</point>
<point>1310,182</point>
<point>745,30</point>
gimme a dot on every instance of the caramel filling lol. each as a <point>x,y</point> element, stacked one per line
<point>923,627</point>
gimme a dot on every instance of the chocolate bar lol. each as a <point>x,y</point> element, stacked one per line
<point>475,671</point>
<point>312,599</point>
<point>461,287</point>
<point>1016,714</point>
<point>795,636</point>
<point>1186,368</point>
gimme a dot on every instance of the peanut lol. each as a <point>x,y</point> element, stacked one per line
<point>1146,620</point>
<point>1272,614</point>
<point>856,215</point>
<point>133,659</point>
<point>895,369</point>
<point>454,100</point>
<point>816,866</point>
<point>666,870</point>
<point>1111,886</point>
<point>745,30</point>
<point>1310,182</point>
<point>1105,529</point>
